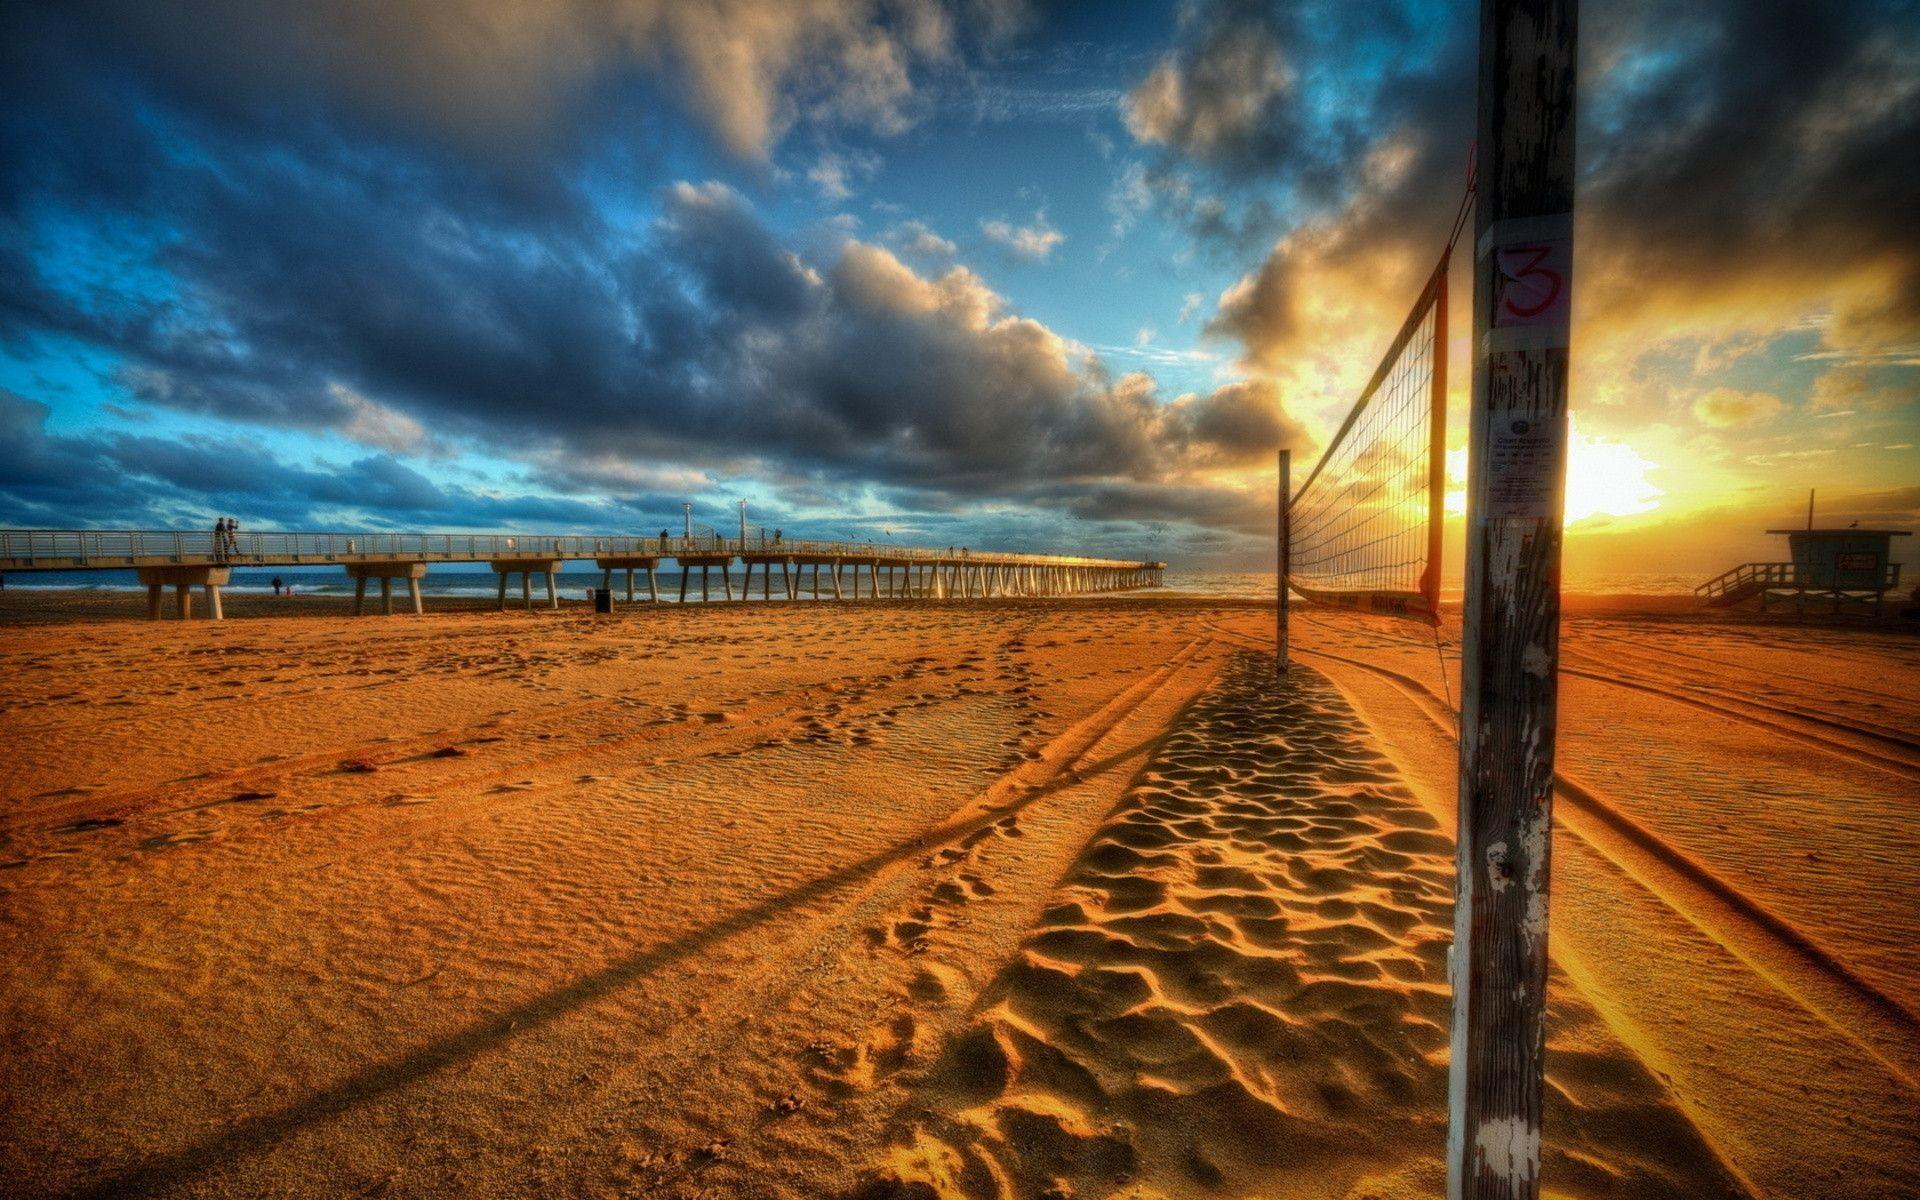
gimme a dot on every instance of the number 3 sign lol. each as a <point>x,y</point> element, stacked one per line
<point>1534,280</point>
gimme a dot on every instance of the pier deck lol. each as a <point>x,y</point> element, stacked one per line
<point>188,560</point>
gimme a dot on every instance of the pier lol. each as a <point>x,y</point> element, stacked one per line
<point>186,562</point>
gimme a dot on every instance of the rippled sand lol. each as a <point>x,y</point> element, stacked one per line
<point>1240,989</point>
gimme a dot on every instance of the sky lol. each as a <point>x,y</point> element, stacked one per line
<point>1001,274</point>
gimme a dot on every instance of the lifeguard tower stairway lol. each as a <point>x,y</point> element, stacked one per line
<point>1849,567</point>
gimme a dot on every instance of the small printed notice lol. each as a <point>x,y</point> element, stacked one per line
<point>1524,455</point>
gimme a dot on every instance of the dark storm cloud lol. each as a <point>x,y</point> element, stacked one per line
<point>1755,145</point>
<point>1740,159</point>
<point>1221,510</point>
<point>1285,97</point>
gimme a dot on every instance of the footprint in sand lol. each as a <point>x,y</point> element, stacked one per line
<point>89,824</point>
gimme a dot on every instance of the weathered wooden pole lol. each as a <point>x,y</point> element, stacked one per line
<point>1510,645</point>
<point>1284,561</point>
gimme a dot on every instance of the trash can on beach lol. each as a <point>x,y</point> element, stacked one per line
<point>603,600</point>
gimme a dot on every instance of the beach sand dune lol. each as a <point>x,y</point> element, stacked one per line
<point>1022,898</point>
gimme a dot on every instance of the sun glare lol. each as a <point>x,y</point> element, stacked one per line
<point>1605,478</point>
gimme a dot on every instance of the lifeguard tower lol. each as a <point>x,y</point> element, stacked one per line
<point>1849,567</point>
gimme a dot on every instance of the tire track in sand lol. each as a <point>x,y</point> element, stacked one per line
<point>1687,665</point>
<point>1812,1092</point>
<point>1894,754</point>
<point>1780,953</point>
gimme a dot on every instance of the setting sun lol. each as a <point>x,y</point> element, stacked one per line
<point>1606,479</point>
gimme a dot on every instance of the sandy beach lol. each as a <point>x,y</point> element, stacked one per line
<point>1007,899</point>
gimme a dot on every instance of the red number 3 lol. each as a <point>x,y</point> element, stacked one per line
<point>1533,280</point>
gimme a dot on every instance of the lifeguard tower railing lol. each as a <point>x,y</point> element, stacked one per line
<point>1755,578</point>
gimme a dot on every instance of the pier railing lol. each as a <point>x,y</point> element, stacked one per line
<point>82,549</point>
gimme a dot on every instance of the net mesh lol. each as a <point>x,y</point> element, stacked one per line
<point>1364,530</point>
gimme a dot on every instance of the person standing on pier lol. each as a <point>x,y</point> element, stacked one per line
<point>220,540</point>
<point>233,538</point>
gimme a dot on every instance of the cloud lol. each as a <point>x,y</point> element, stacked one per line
<point>378,426</point>
<point>1851,390</point>
<point>834,173</point>
<point>1221,99</point>
<point>916,238</point>
<point>1745,170</point>
<point>1779,170</point>
<point>1130,197</point>
<point>370,302</point>
<point>147,481</point>
<point>1239,425</point>
<point>508,78</point>
<point>1726,408</point>
<point>1032,243</point>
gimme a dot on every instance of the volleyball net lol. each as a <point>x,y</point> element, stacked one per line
<point>1364,529</point>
